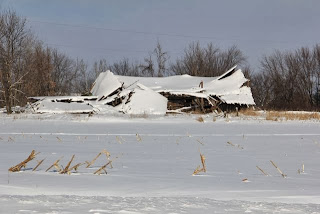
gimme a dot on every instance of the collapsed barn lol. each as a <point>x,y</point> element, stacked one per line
<point>159,95</point>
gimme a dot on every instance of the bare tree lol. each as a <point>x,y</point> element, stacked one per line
<point>125,68</point>
<point>208,61</point>
<point>38,65</point>
<point>147,68</point>
<point>98,67</point>
<point>162,58</point>
<point>290,80</point>
<point>63,72</point>
<point>13,36</point>
<point>84,78</point>
<point>316,55</point>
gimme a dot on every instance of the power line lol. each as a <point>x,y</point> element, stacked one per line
<point>105,49</point>
<point>161,34</point>
<point>123,31</point>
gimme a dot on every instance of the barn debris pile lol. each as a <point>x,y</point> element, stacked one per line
<point>155,95</point>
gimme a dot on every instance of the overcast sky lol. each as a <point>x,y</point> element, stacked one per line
<point>113,29</point>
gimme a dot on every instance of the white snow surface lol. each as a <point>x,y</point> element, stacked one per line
<point>47,106</point>
<point>153,161</point>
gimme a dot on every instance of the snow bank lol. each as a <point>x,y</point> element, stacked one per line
<point>47,106</point>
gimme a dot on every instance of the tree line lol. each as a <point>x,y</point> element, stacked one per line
<point>28,67</point>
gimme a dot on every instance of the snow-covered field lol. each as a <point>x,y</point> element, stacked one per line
<point>152,172</point>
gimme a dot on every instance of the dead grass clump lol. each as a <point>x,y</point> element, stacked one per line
<point>283,115</point>
<point>200,119</point>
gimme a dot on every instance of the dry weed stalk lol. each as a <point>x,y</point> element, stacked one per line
<point>104,151</point>
<point>103,168</point>
<point>178,140</point>
<point>266,174</point>
<point>283,175</point>
<point>200,142</point>
<point>66,169</point>
<point>119,139</point>
<point>200,119</point>
<point>23,164</point>
<point>56,165</point>
<point>92,162</point>
<point>245,180</point>
<point>199,169</point>
<point>301,170</point>
<point>59,139</point>
<point>214,119</point>
<point>203,161</point>
<point>234,145</point>
<point>39,163</point>
<point>139,139</point>
<point>230,143</point>
<point>75,168</point>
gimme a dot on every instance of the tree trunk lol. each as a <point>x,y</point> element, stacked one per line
<point>6,88</point>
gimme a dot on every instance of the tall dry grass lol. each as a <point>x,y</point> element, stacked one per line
<point>249,112</point>
<point>284,115</point>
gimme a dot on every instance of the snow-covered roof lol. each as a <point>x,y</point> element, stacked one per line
<point>229,87</point>
<point>147,95</point>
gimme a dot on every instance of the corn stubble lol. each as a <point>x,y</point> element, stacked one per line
<point>199,168</point>
<point>23,164</point>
